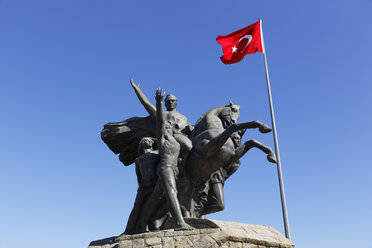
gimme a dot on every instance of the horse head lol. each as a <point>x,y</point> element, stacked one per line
<point>229,114</point>
<point>220,118</point>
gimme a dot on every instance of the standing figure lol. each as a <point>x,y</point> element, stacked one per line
<point>169,150</point>
<point>146,166</point>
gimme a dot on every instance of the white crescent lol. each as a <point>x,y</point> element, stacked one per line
<point>249,37</point>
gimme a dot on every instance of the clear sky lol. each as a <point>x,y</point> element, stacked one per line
<point>64,73</point>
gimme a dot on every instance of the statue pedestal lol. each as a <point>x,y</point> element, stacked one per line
<point>208,233</point>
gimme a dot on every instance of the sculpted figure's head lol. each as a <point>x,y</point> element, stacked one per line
<point>170,102</point>
<point>237,139</point>
<point>145,143</point>
<point>230,114</point>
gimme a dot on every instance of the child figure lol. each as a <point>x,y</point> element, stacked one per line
<point>146,166</point>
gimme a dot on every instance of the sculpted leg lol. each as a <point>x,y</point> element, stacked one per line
<point>216,200</point>
<point>134,215</point>
<point>150,208</point>
<point>241,150</point>
<point>167,178</point>
<point>160,216</point>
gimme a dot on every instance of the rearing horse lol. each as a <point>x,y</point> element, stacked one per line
<point>212,147</point>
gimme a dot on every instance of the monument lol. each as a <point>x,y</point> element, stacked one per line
<point>181,170</point>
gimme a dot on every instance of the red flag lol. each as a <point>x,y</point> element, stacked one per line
<point>239,43</point>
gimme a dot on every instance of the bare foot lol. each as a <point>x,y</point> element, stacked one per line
<point>183,227</point>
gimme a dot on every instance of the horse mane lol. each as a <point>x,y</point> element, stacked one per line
<point>212,111</point>
<point>203,118</point>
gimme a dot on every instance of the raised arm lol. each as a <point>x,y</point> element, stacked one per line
<point>143,99</point>
<point>159,96</point>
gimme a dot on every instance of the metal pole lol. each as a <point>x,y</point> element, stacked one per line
<point>279,167</point>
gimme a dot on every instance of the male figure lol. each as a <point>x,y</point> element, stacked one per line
<point>180,125</point>
<point>169,150</point>
<point>215,200</point>
<point>146,165</point>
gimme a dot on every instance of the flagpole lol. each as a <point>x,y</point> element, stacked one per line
<point>279,167</point>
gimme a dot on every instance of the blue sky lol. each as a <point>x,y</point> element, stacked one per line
<point>64,73</point>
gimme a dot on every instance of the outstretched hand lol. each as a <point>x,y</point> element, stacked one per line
<point>133,84</point>
<point>159,95</point>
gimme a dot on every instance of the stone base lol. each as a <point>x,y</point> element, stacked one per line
<point>207,233</point>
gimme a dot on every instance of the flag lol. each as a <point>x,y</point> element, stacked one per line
<point>241,42</point>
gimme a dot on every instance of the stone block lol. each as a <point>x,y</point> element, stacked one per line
<point>125,244</point>
<point>153,241</point>
<point>245,245</point>
<point>167,242</point>
<point>235,244</point>
<point>182,241</point>
<point>205,242</point>
<point>194,238</point>
<point>218,236</point>
<point>138,243</point>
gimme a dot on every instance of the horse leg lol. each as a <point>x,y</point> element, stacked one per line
<point>241,150</point>
<point>215,144</point>
<point>262,127</point>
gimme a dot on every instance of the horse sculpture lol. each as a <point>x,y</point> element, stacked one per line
<point>213,149</point>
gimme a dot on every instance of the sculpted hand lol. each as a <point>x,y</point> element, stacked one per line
<point>133,85</point>
<point>188,129</point>
<point>159,95</point>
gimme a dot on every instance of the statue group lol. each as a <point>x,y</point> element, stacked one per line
<point>181,169</point>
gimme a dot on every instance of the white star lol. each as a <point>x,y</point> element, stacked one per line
<point>234,48</point>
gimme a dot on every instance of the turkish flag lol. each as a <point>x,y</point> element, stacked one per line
<point>239,43</point>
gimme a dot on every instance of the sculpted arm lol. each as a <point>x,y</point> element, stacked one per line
<point>138,172</point>
<point>143,99</point>
<point>159,96</point>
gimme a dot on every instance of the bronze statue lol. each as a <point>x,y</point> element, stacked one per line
<point>193,161</point>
